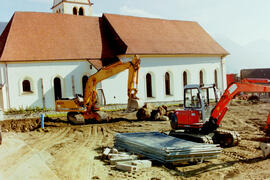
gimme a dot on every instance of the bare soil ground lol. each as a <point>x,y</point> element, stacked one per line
<point>64,151</point>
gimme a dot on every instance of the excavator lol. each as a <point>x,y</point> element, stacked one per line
<point>203,112</point>
<point>81,110</point>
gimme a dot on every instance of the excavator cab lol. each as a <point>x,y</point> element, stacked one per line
<point>199,101</point>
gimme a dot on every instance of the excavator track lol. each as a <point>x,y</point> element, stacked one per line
<point>225,138</point>
<point>200,138</point>
<point>95,117</point>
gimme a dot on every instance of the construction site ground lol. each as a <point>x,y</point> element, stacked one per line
<point>64,151</point>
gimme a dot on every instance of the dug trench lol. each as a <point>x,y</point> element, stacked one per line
<point>67,151</point>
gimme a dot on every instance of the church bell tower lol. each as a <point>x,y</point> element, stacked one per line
<point>75,7</point>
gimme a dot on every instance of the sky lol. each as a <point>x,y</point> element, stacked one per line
<point>242,27</point>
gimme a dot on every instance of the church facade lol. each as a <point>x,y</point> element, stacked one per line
<point>47,56</point>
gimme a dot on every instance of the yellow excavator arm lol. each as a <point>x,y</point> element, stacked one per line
<point>109,71</point>
<point>81,109</point>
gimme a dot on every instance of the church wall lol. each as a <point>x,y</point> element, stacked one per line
<point>157,67</point>
<point>4,87</point>
<point>34,72</point>
<point>115,88</point>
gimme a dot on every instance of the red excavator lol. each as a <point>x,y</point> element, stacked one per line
<point>202,114</point>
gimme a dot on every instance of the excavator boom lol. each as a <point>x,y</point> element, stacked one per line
<point>247,85</point>
<point>109,71</point>
<point>80,109</point>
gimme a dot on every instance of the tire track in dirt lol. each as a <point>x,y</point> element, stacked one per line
<point>27,151</point>
<point>51,139</point>
<point>36,147</point>
<point>79,162</point>
<point>19,160</point>
<point>95,165</point>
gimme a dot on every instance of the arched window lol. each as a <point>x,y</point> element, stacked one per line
<point>57,88</point>
<point>149,85</point>
<point>167,83</point>
<point>201,77</point>
<point>216,78</point>
<point>26,85</point>
<point>81,11</point>
<point>75,11</point>
<point>84,81</point>
<point>185,78</point>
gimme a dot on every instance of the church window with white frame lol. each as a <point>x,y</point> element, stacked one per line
<point>185,78</point>
<point>149,88</point>
<point>168,89</point>
<point>201,77</point>
<point>216,78</point>
<point>26,86</point>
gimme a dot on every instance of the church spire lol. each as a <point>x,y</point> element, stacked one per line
<point>75,7</point>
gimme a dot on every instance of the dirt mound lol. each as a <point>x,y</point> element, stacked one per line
<point>23,125</point>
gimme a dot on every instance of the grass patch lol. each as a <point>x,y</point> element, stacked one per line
<point>26,111</point>
<point>112,110</point>
<point>56,115</point>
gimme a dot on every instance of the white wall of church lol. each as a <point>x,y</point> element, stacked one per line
<point>157,67</point>
<point>47,71</point>
<point>115,88</point>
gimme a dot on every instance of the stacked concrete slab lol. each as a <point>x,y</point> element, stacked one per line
<point>164,148</point>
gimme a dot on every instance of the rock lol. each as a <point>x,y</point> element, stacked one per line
<point>164,118</point>
<point>158,113</point>
<point>149,106</point>
<point>148,112</point>
<point>114,151</point>
<point>143,114</point>
<point>106,152</point>
<point>123,158</point>
<point>95,177</point>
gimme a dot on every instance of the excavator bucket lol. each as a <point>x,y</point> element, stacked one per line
<point>75,118</point>
<point>79,118</point>
<point>102,116</point>
<point>134,104</point>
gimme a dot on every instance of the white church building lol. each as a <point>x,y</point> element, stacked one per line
<point>47,56</point>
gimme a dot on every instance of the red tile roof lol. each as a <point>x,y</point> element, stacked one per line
<point>45,36</point>
<point>33,36</point>
<point>158,36</point>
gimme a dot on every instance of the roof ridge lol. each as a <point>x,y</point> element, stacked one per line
<point>153,18</point>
